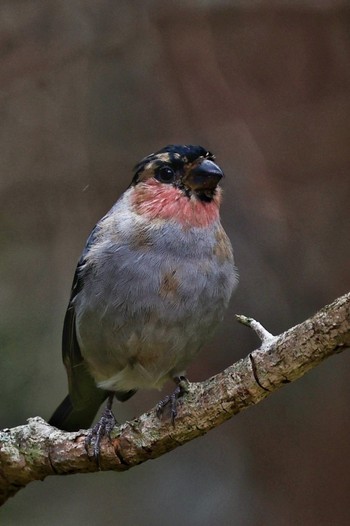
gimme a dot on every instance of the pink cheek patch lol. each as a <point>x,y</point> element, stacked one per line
<point>159,201</point>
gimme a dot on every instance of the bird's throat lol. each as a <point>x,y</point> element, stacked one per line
<point>159,201</point>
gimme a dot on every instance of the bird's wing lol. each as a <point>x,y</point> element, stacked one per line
<point>82,387</point>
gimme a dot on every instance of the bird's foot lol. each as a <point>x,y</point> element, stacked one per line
<point>103,428</point>
<point>181,388</point>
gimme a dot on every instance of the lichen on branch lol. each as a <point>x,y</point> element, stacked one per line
<point>37,450</point>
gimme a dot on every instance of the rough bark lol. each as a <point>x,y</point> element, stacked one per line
<point>36,450</point>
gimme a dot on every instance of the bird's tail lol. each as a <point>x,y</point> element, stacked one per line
<point>69,418</point>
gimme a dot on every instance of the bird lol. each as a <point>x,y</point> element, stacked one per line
<point>151,286</point>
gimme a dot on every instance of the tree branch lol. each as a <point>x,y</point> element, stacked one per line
<point>36,450</point>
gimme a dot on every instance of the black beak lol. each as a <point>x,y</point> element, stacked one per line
<point>205,176</point>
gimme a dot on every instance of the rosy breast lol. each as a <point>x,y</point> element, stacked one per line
<point>156,201</point>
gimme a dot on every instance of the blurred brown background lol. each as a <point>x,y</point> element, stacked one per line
<point>87,89</point>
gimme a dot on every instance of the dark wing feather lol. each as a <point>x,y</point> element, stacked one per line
<point>81,405</point>
<point>71,355</point>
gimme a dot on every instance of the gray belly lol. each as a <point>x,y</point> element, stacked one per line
<point>139,324</point>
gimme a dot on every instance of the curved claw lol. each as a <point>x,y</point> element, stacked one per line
<point>180,390</point>
<point>103,428</point>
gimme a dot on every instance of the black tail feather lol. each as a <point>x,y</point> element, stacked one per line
<point>68,418</point>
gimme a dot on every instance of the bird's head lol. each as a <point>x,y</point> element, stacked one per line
<point>179,182</point>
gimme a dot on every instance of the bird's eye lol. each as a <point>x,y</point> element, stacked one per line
<point>165,174</point>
